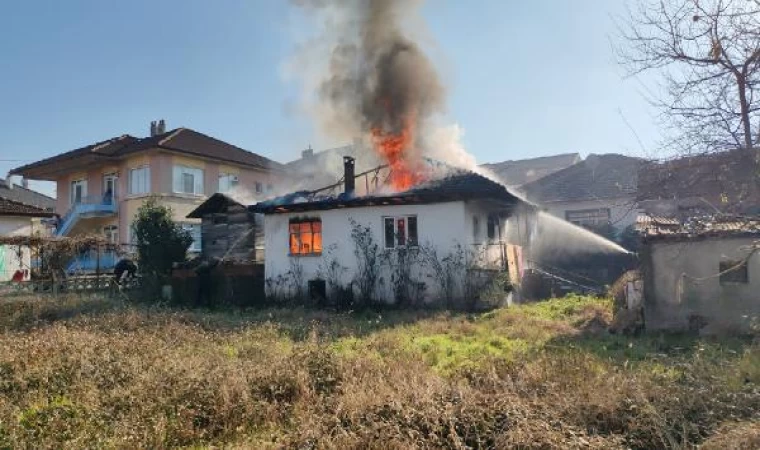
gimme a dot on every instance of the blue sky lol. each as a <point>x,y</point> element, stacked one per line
<point>524,79</point>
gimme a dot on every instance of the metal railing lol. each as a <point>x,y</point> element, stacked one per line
<point>91,205</point>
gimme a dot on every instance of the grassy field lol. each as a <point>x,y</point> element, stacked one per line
<point>94,373</point>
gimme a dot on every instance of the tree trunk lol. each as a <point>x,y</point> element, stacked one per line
<point>744,105</point>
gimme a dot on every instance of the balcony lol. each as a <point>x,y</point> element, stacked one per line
<point>91,206</point>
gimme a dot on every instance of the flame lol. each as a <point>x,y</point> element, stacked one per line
<point>394,147</point>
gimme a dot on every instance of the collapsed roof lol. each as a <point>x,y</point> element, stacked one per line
<point>665,228</point>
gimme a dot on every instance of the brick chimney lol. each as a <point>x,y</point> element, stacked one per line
<point>348,175</point>
<point>161,126</point>
<point>153,128</point>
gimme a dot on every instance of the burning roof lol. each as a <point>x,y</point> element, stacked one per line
<point>450,185</point>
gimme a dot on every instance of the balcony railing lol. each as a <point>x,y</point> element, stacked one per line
<point>90,206</point>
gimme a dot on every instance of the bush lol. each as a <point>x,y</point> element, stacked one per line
<point>160,241</point>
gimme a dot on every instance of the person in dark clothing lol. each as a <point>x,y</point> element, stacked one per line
<point>205,281</point>
<point>123,270</point>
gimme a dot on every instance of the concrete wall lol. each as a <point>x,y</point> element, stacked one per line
<point>681,281</point>
<point>623,211</point>
<point>9,261</point>
<point>439,225</point>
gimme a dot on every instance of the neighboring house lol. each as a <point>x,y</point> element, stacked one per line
<point>724,182</point>
<point>700,274</point>
<point>461,227</point>
<point>315,170</point>
<point>21,214</point>
<point>101,186</point>
<point>523,171</point>
<point>595,193</point>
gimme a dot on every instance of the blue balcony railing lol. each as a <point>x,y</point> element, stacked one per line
<point>91,206</point>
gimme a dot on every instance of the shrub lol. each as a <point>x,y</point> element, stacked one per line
<point>160,241</point>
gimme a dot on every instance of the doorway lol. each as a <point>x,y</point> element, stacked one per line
<point>110,187</point>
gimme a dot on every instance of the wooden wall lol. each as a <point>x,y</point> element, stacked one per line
<point>234,234</point>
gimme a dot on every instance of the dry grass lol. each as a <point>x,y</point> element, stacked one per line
<point>88,372</point>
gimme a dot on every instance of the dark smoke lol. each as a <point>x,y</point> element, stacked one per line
<point>377,77</point>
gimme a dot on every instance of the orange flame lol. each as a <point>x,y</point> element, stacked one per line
<point>394,147</point>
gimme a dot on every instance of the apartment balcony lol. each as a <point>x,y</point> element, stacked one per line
<point>88,207</point>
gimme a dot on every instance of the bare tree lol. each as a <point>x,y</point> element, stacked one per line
<point>708,52</point>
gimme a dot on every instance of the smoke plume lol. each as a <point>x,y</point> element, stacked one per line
<point>373,80</point>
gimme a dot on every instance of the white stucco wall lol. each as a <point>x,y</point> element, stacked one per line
<point>684,282</point>
<point>9,262</point>
<point>623,210</point>
<point>442,226</point>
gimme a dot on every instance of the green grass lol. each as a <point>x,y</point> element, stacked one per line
<point>91,372</point>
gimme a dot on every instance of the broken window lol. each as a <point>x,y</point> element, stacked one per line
<point>400,231</point>
<point>305,236</point>
<point>732,272</point>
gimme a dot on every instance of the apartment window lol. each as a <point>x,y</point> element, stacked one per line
<point>733,272</point>
<point>589,217</point>
<point>78,191</point>
<point>139,180</point>
<point>270,188</point>
<point>494,228</point>
<point>187,180</point>
<point>400,232</point>
<point>195,232</point>
<point>259,188</point>
<point>227,182</point>
<point>305,236</point>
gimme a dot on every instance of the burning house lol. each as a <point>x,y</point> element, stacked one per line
<point>446,238</point>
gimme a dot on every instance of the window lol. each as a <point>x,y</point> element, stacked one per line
<point>475,228</point>
<point>400,232</point>
<point>78,191</point>
<point>733,272</point>
<point>494,228</point>
<point>270,188</point>
<point>227,182</point>
<point>111,233</point>
<point>139,180</point>
<point>305,236</point>
<point>195,232</point>
<point>589,217</point>
<point>259,188</point>
<point>187,180</point>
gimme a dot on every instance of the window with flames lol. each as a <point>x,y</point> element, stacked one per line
<point>400,232</point>
<point>305,236</point>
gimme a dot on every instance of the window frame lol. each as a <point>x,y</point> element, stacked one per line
<point>298,233</point>
<point>408,231</point>
<point>191,227</point>
<point>131,181</point>
<point>493,228</point>
<point>231,180</point>
<point>179,171</point>
<point>588,223</point>
<point>72,189</point>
